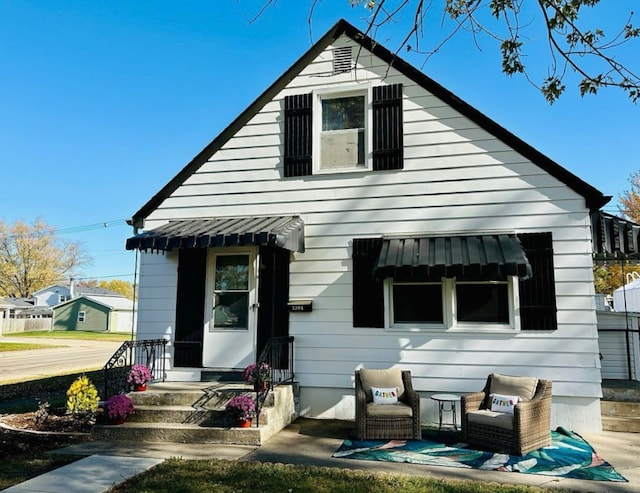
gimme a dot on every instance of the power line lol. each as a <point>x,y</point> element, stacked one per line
<point>74,229</point>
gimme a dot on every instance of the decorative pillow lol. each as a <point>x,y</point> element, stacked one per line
<point>503,403</point>
<point>385,395</point>
<point>389,378</point>
<point>524,387</point>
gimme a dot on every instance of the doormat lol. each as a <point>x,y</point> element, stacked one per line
<point>568,456</point>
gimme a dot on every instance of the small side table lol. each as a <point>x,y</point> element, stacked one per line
<point>447,403</point>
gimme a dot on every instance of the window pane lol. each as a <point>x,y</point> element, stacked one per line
<point>417,303</point>
<point>232,272</point>
<point>343,113</point>
<point>483,303</point>
<point>231,311</point>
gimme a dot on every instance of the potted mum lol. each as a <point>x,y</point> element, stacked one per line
<point>243,409</point>
<point>118,407</point>
<point>259,375</point>
<point>139,376</point>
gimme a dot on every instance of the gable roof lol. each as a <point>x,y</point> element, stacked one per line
<point>594,199</point>
<point>110,302</point>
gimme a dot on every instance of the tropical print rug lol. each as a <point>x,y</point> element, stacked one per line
<point>568,456</point>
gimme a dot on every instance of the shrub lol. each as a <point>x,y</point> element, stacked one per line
<point>82,398</point>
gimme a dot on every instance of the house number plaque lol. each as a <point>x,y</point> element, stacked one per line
<point>300,305</point>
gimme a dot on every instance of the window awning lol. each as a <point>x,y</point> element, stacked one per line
<point>489,257</point>
<point>282,231</point>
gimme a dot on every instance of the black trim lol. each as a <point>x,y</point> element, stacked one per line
<point>594,199</point>
<point>388,146</point>
<point>538,294</point>
<point>298,135</point>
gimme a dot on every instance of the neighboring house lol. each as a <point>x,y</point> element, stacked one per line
<point>95,313</point>
<point>22,308</point>
<point>420,234</point>
<point>59,293</point>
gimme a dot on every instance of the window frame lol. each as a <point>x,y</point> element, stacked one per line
<point>449,309</point>
<point>82,316</point>
<point>335,93</point>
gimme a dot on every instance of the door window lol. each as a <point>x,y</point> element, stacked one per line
<point>231,292</point>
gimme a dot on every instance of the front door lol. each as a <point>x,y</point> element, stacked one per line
<point>230,304</point>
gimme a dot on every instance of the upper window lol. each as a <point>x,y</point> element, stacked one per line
<point>342,136</point>
<point>63,297</point>
<point>82,316</point>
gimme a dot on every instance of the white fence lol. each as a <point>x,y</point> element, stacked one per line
<point>619,347</point>
<point>17,325</point>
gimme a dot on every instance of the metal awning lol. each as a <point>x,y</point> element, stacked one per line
<point>488,257</point>
<point>282,231</point>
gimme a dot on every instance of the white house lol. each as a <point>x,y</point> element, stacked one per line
<point>381,221</point>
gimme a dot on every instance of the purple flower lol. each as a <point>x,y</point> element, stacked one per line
<point>139,375</point>
<point>242,407</point>
<point>119,406</point>
<point>257,373</point>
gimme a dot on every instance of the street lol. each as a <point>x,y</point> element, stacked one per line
<point>68,357</point>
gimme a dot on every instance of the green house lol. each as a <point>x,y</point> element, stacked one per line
<point>95,313</point>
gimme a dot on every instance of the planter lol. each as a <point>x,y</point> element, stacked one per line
<point>260,386</point>
<point>140,388</point>
<point>243,423</point>
<point>117,421</point>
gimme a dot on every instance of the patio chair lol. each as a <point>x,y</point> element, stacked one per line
<point>377,420</point>
<point>515,425</point>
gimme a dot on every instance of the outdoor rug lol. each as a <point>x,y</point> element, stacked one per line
<point>568,456</point>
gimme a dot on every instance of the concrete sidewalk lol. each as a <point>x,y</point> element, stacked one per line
<point>311,442</point>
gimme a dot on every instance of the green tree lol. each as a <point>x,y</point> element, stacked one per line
<point>609,277</point>
<point>125,288</point>
<point>630,199</point>
<point>33,257</point>
<point>573,37</point>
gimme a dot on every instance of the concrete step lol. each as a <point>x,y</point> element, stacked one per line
<point>620,416</point>
<point>180,433</point>
<point>187,414</point>
<point>618,423</point>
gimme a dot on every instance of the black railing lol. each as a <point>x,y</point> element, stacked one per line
<point>148,352</point>
<point>278,353</point>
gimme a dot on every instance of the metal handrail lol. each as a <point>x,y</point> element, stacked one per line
<point>278,353</point>
<point>148,352</point>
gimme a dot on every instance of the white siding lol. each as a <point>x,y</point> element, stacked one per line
<point>457,178</point>
<point>619,353</point>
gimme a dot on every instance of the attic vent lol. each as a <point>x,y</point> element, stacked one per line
<point>342,60</point>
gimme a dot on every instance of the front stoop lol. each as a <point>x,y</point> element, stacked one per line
<point>193,412</point>
<point>620,406</point>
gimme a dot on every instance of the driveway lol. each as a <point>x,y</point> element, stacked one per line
<point>70,356</point>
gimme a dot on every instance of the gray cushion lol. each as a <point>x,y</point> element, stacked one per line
<point>398,410</point>
<point>524,387</point>
<point>491,418</point>
<point>391,377</point>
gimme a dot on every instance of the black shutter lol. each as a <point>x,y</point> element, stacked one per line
<point>192,268</point>
<point>368,295</point>
<point>273,295</point>
<point>298,135</point>
<point>388,147</point>
<point>538,293</point>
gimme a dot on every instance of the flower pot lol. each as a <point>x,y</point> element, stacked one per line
<point>140,388</point>
<point>260,386</point>
<point>243,423</point>
<point>117,421</point>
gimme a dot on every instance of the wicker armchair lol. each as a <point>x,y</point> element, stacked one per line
<point>384,421</point>
<point>527,429</point>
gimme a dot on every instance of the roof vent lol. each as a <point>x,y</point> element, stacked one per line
<point>342,61</point>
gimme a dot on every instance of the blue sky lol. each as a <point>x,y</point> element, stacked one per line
<point>103,102</point>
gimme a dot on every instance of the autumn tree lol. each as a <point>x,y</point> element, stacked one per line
<point>630,199</point>
<point>125,288</point>
<point>611,276</point>
<point>33,257</point>
<point>573,38</point>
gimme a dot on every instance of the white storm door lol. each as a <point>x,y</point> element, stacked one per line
<point>230,321</point>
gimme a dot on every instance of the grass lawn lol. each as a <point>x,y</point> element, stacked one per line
<point>74,334</point>
<point>22,346</point>
<point>201,476</point>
